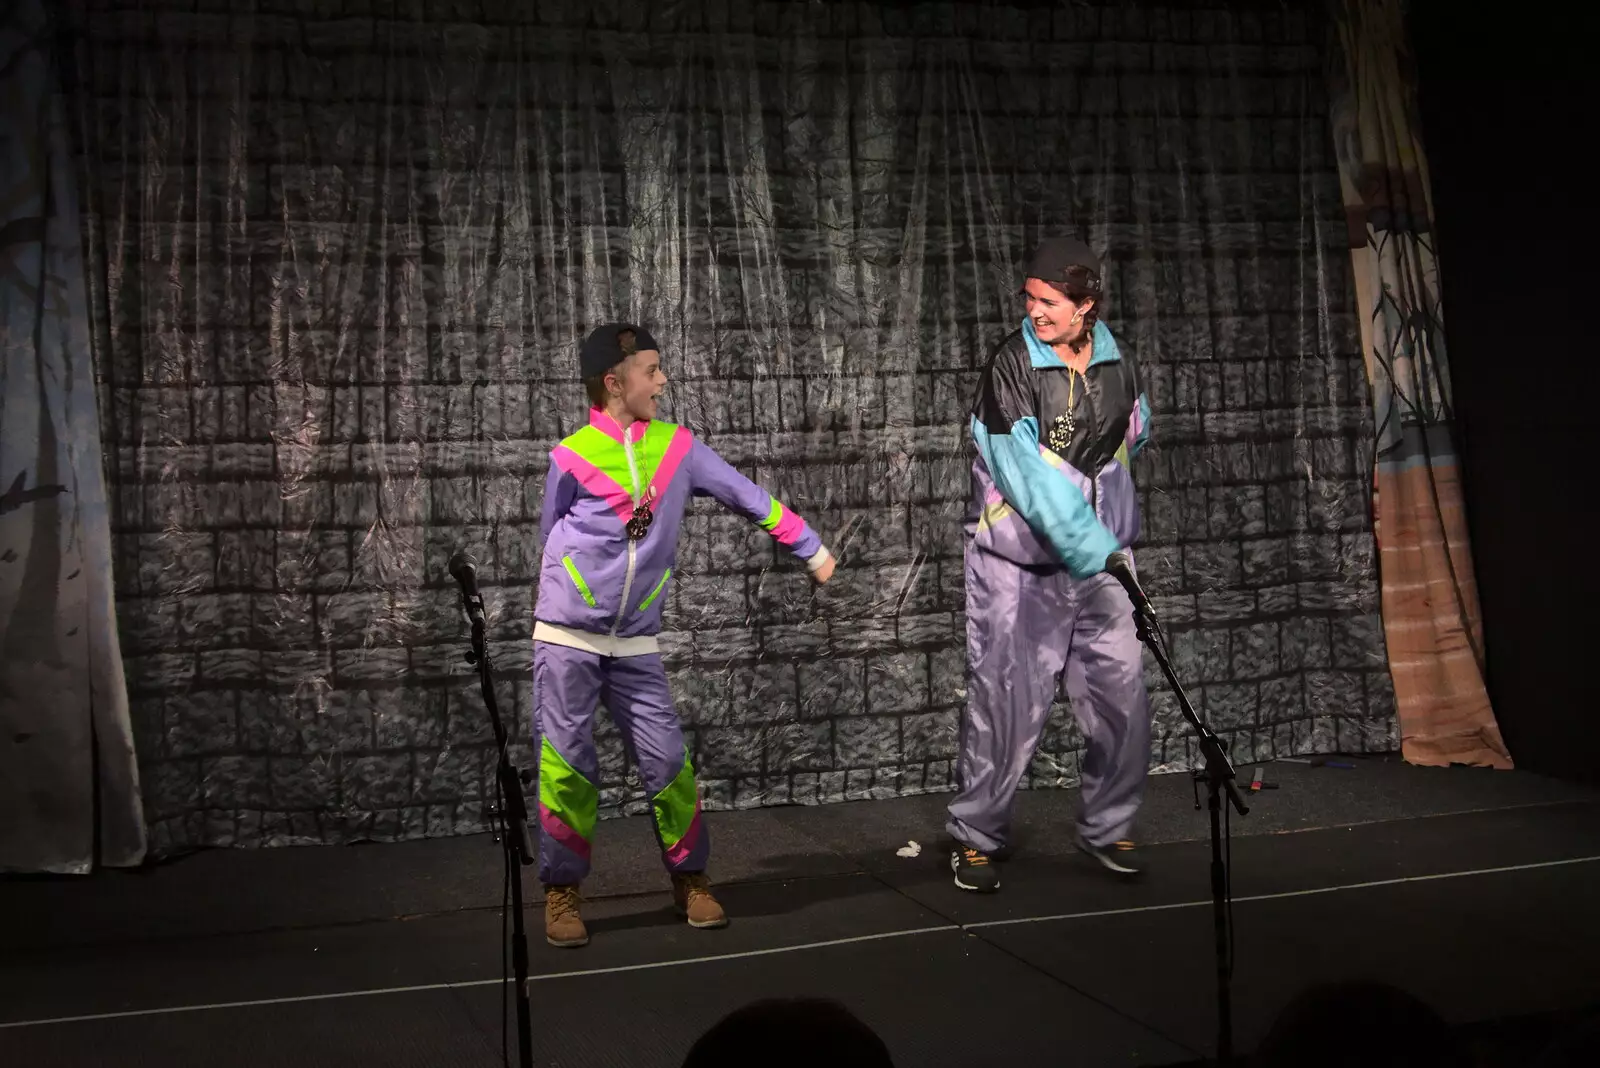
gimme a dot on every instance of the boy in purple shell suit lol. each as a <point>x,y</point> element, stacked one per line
<point>613,503</point>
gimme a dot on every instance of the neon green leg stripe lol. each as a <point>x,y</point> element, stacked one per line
<point>655,592</point>
<point>577,580</point>
<point>773,517</point>
<point>674,806</point>
<point>566,793</point>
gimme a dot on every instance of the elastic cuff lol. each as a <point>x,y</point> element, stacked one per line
<point>818,558</point>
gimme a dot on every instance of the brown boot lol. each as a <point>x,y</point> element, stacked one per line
<point>563,927</point>
<point>692,894</point>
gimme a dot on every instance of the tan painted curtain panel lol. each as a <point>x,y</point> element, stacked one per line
<point>1431,617</point>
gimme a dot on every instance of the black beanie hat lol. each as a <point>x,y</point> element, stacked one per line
<point>1055,254</point>
<point>601,350</point>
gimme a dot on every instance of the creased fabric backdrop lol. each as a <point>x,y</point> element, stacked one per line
<point>344,257</point>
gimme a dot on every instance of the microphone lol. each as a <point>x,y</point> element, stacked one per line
<point>465,571</point>
<point>1120,567</point>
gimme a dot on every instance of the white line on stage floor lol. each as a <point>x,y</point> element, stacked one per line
<point>1312,892</point>
<point>942,928</point>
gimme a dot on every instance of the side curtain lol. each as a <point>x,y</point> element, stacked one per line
<point>1431,618</point>
<point>69,783</point>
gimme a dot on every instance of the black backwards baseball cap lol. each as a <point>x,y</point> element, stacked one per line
<point>602,349</point>
<point>1055,254</point>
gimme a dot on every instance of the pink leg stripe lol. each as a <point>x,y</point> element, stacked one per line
<point>562,833</point>
<point>679,853</point>
<point>679,447</point>
<point>595,481</point>
<point>789,528</point>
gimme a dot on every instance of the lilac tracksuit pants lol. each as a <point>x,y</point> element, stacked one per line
<point>1025,629</point>
<point>568,685</point>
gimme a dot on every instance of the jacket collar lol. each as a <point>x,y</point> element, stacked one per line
<point>608,426</point>
<point>1042,355</point>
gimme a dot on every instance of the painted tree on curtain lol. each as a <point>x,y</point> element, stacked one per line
<point>344,263</point>
<point>69,784</point>
<point>1430,597</point>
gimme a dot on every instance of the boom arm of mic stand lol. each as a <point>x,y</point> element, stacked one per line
<point>1218,767</point>
<point>1219,776</point>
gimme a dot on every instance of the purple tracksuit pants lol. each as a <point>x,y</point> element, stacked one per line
<point>1024,630</point>
<point>568,685</point>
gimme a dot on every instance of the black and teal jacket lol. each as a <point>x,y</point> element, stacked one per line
<point>1072,505</point>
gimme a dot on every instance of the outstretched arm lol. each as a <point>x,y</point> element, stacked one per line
<point>716,478</point>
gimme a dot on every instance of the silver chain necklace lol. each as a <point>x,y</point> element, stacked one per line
<point>1063,425</point>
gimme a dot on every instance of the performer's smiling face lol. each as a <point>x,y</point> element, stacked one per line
<point>1056,318</point>
<point>638,382</point>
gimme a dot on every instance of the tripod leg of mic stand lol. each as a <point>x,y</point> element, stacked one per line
<point>1219,914</point>
<point>514,817</point>
<point>519,969</point>
<point>1218,775</point>
<point>513,841</point>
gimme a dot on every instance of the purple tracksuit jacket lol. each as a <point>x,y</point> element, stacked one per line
<point>593,577</point>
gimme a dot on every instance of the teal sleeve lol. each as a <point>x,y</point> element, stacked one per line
<point>1051,505</point>
<point>1138,426</point>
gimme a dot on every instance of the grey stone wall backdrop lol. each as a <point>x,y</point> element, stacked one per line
<point>342,255</point>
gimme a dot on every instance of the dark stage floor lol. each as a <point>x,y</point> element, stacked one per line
<point>1473,889</point>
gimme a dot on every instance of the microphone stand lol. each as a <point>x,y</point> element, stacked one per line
<point>1219,776</point>
<point>512,813</point>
